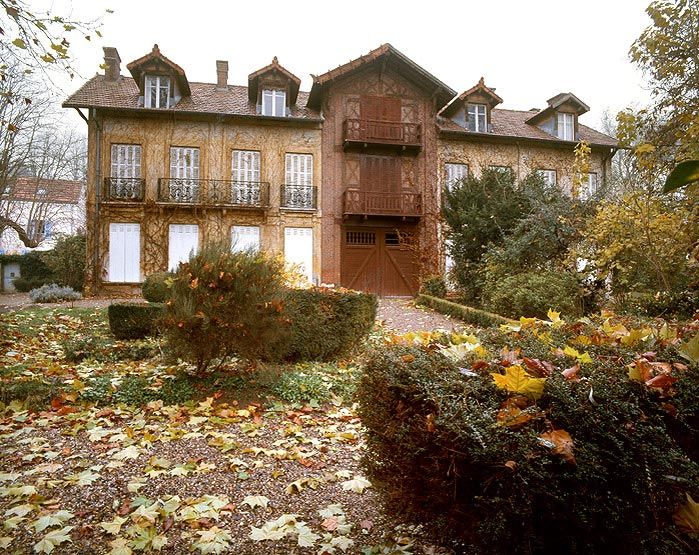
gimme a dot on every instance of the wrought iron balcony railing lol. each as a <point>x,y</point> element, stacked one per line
<point>128,189</point>
<point>369,203</point>
<point>216,192</point>
<point>299,197</point>
<point>382,132</point>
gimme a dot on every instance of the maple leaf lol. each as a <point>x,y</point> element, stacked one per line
<point>306,537</point>
<point>56,519</point>
<point>687,516</point>
<point>517,380</point>
<point>120,546</point>
<point>358,485</point>
<point>113,527</point>
<point>256,501</point>
<point>582,358</point>
<point>560,442</point>
<point>690,349</point>
<point>342,542</point>
<point>54,538</point>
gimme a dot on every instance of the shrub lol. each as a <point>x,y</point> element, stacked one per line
<point>435,286</point>
<point>679,304</point>
<point>33,267</point>
<point>134,320</point>
<point>442,444</point>
<point>473,316</point>
<point>534,293</point>
<point>53,293</point>
<point>225,303</point>
<point>155,288</point>
<point>326,323</point>
<point>67,261</point>
<point>33,392</point>
<point>24,285</point>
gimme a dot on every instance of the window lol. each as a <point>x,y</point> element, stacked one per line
<point>245,237</point>
<point>125,172</point>
<point>157,93</point>
<point>298,249</point>
<point>454,174</point>
<point>588,188</point>
<point>504,170</point>
<point>184,174</point>
<point>41,192</point>
<point>549,177</point>
<point>124,253</point>
<point>245,173</point>
<point>477,118</point>
<point>566,127</point>
<point>298,181</point>
<point>183,243</point>
<point>273,103</point>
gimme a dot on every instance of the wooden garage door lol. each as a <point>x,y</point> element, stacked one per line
<point>380,261</point>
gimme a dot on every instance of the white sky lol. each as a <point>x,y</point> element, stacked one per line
<point>529,50</point>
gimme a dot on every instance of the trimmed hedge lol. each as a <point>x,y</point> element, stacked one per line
<point>134,320</point>
<point>155,289</point>
<point>469,315</point>
<point>326,323</point>
<point>439,445</point>
<point>434,286</point>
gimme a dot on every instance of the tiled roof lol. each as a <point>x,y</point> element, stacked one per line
<point>62,191</point>
<point>206,98</point>
<point>512,123</point>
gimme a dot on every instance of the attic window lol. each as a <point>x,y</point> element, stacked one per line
<point>566,126</point>
<point>477,120</point>
<point>273,103</point>
<point>41,192</point>
<point>157,91</point>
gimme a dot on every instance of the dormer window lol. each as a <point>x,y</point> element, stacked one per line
<point>41,192</point>
<point>157,91</point>
<point>477,118</point>
<point>566,126</point>
<point>273,103</point>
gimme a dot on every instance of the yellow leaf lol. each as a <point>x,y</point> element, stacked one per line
<point>583,358</point>
<point>687,516</point>
<point>517,380</point>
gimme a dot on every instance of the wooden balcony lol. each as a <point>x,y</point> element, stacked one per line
<point>123,189</point>
<point>369,203</point>
<point>214,192</point>
<point>364,132</point>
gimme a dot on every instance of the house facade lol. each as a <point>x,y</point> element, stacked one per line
<point>345,181</point>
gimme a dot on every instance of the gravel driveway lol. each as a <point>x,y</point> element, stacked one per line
<point>402,316</point>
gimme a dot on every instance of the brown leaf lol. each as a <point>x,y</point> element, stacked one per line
<point>408,358</point>
<point>661,381</point>
<point>538,368</point>
<point>571,374</point>
<point>330,523</point>
<point>511,465</point>
<point>429,419</point>
<point>366,524</point>
<point>560,443</point>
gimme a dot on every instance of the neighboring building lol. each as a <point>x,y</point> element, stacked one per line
<point>44,208</point>
<point>344,180</point>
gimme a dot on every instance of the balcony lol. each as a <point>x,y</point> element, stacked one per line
<point>369,203</point>
<point>385,133</point>
<point>123,189</point>
<point>299,197</point>
<point>214,192</point>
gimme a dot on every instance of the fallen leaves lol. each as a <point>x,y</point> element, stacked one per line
<point>516,380</point>
<point>560,443</point>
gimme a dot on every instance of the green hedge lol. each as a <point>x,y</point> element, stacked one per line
<point>438,448</point>
<point>469,315</point>
<point>326,323</point>
<point>134,320</point>
<point>155,289</point>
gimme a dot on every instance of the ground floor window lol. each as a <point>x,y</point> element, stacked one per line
<point>245,237</point>
<point>183,243</point>
<point>124,253</point>
<point>298,249</point>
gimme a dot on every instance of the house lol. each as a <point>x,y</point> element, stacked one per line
<point>345,180</point>
<point>44,208</point>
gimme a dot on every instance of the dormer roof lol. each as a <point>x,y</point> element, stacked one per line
<point>480,91</point>
<point>155,62</point>
<point>272,73</point>
<point>562,100</point>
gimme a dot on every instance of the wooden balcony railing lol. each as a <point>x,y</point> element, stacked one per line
<point>124,189</point>
<point>299,197</point>
<point>368,203</point>
<point>216,192</point>
<point>382,132</point>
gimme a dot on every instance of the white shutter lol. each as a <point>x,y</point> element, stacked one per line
<point>299,169</point>
<point>245,165</point>
<point>298,249</point>
<point>125,253</point>
<point>126,161</point>
<point>454,173</point>
<point>245,237</point>
<point>184,163</point>
<point>183,243</point>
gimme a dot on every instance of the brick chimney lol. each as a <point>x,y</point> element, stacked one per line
<point>221,74</point>
<point>112,63</point>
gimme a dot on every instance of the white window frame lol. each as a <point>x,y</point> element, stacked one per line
<point>504,170</point>
<point>245,237</point>
<point>245,165</point>
<point>184,173</point>
<point>126,161</point>
<point>155,86</point>
<point>298,169</point>
<point>549,176</point>
<point>589,188</point>
<point>453,173</point>
<point>125,266</point>
<point>176,255</point>
<point>566,126</point>
<point>475,113</point>
<point>277,103</point>
<point>292,237</point>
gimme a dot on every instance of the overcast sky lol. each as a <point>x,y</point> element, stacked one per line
<point>528,50</point>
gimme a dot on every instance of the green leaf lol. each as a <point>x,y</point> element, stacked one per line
<point>683,174</point>
<point>19,43</point>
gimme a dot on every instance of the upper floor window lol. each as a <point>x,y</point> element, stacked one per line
<point>566,127</point>
<point>39,229</point>
<point>126,161</point>
<point>477,120</point>
<point>158,91</point>
<point>549,177</point>
<point>273,103</point>
<point>588,188</point>
<point>454,174</point>
<point>245,166</point>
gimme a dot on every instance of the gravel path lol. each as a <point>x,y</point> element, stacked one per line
<point>402,316</point>
<point>18,301</point>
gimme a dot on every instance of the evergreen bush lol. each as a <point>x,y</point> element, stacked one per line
<point>435,286</point>
<point>155,288</point>
<point>134,320</point>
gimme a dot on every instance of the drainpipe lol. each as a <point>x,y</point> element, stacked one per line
<point>96,272</point>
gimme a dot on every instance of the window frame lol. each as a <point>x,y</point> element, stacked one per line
<point>127,162</point>
<point>298,169</point>
<point>562,118</point>
<point>590,189</point>
<point>157,83</point>
<point>542,172</point>
<point>278,102</point>
<point>450,182</point>
<point>476,117</point>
